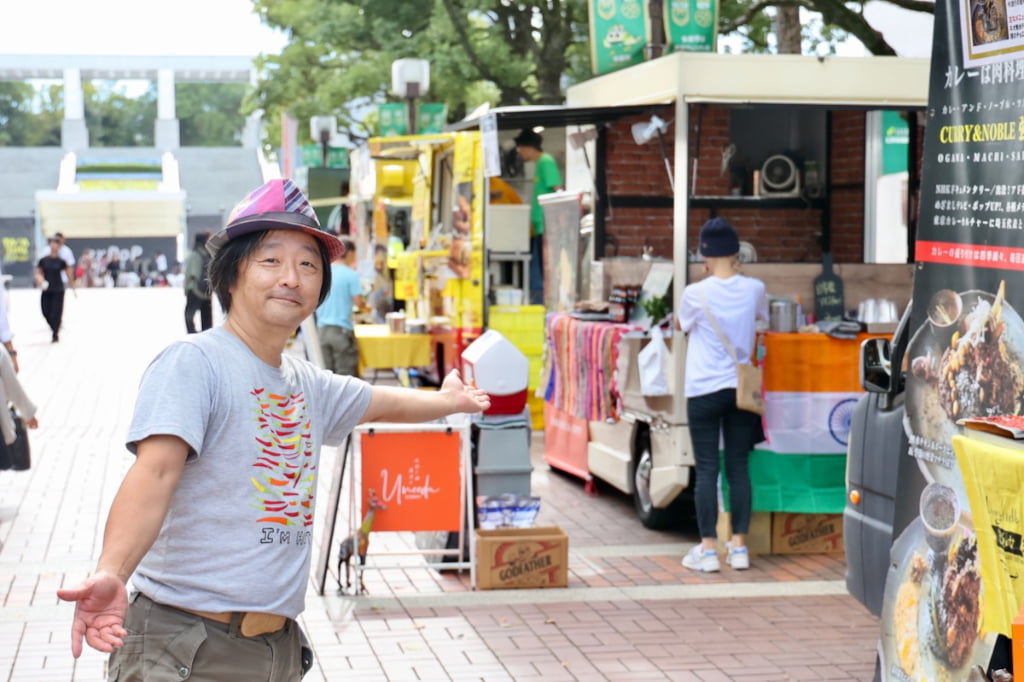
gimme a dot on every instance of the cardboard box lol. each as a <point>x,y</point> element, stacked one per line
<point>759,534</point>
<point>522,557</point>
<point>807,533</point>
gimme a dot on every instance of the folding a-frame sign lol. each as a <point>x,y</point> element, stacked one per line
<point>422,474</point>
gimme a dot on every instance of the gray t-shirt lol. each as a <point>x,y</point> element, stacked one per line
<point>238,533</point>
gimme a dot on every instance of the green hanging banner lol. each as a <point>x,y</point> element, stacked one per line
<point>431,117</point>
<point>691,25</point>
<point>313,155</point>
<point>619,32</point>
<point>393,119</point>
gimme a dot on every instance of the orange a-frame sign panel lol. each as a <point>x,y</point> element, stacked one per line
<point>418,478</point>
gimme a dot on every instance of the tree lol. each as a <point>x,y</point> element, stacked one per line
<point>209,113</point>
<point>338,60</point>
<point>504,52</point>
<point>30,117</point>
<point>115,119</point>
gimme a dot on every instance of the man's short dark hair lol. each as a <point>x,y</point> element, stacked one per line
<point>200,239</point>
<point>350,246</point>
<point>229,259</point>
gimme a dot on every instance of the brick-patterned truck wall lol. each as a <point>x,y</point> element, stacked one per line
<point>780,235</point>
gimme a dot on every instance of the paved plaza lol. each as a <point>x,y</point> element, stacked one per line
<point>630,612</point>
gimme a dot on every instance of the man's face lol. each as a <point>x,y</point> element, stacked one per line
<point>527,153</point>
<point>279,285</point>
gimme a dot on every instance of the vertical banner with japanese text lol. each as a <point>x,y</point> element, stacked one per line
<point>393,119</point>
<point>965,355</point>
<point>619,32</point>
<point>431,117</point>
<point>691,25</point>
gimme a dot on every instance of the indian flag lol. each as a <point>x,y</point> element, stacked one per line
<point>811,384</point>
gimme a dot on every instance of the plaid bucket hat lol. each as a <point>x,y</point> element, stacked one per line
<point>276,205</point>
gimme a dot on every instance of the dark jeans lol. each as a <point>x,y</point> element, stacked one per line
<point>204,307</point>
<point>710,415</point>
<point>537,269</point>
<point>52,304</point>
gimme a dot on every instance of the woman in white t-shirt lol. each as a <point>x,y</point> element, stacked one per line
<point>736,302</point>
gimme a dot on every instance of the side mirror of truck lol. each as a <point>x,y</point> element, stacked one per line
<point>876,366</point>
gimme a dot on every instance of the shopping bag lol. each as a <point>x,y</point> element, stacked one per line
<point>654,363</point>
<point>749,390</point>
<point>16,455</point>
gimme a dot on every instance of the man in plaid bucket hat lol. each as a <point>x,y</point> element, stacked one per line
<point>213,521</point>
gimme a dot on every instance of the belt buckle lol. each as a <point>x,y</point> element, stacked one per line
<point>254,624</point>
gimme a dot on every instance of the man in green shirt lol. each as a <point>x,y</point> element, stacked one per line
<point>546,179</point>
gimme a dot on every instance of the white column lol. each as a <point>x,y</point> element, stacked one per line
<point>168,131</point>
<point>74,101</point>
<point>73,133</point>
<point>165,94</point>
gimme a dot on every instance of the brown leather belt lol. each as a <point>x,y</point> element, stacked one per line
<point>251,623</point>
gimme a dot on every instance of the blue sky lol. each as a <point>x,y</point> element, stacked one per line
<point>134,27</point>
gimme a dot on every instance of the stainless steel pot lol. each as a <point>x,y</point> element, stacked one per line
<point>782,315</point>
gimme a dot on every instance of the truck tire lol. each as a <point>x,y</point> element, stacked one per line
<point>650,517</point>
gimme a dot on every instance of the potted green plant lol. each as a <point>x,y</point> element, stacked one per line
<point>656,307</point>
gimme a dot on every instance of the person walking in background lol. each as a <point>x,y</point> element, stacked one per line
<point>160,267</point>
<point>6,335</point>
<point>334,316</point>
<point>382,297</point>
<point>198,297</point>
<point>725,303</point>
<point>114,268</point>
<point>227,418</point>
<point>51,272</point>
<point>69,257</point>
<point>86,270</point>
<point>12,392</point>
<point>546,179</point>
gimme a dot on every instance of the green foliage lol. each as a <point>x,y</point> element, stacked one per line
<point>210,113</point>
<point>30,117</point>
<point>656,308</point>
<point>115,119</point>
<point>339,58</point>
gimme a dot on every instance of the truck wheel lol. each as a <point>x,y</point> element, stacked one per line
<point>655,519</point>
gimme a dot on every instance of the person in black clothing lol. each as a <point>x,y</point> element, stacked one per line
<point>197,285</point>
<point>48,277</point>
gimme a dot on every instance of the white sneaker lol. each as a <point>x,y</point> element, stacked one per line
<point>737,557</point>
<point>699,560</point>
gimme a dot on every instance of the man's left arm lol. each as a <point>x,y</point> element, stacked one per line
<point>391,404</point>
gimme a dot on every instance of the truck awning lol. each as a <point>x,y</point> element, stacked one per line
<point>558,116</point>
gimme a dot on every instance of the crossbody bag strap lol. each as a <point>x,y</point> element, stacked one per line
<point>714,324</point>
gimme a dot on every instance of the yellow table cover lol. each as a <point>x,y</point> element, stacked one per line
<point>380,349</point>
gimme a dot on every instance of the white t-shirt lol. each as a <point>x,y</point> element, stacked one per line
<point>238,533</point>
<point>737,303</point>
<point>68,256</point>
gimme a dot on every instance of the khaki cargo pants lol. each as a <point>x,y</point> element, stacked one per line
<point>168,645</point>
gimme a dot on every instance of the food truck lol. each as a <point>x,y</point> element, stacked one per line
<point>454,208</point>
<point>790,150</point>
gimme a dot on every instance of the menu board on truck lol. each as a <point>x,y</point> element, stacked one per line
<point>966,350</point>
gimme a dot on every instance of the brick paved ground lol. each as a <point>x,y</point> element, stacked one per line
<point>630,611</point>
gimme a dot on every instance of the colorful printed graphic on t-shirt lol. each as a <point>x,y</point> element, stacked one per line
<point>286,482</point>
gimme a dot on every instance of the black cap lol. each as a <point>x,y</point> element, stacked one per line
<point>718,238</point>
<point>528,138</point>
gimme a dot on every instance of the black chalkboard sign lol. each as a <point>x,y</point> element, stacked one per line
<point>828,292</point>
